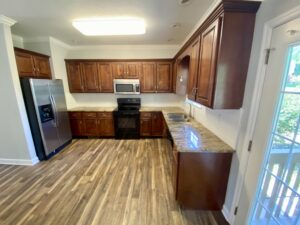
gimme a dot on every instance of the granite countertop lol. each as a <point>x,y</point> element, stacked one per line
<point>92,109</point>
<point>192,136</point>
<point>159,109</point>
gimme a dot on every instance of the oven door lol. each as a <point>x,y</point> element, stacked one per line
<point>127,125</point>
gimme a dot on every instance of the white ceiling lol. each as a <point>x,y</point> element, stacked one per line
<point>41,18</point>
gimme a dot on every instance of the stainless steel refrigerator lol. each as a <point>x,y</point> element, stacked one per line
<point>47,113</point>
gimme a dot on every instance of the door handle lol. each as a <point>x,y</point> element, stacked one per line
<point>54,110</point>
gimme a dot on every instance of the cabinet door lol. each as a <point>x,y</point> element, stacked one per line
<point>118,70</point>
<point>148,77</point>
<point>90,76</point>
<point>25,64</point>
<point>77,127</point>
<point>157,124</point>
<point>105,78</point>
<point>194,62</point>
<point>133,70</point>
<point>207,64</point>
<point>106,127</point>
<point>42,67</point>
<point>74,77</point>
<point>146,127</point>
<point>90,127</point>
<point>164,77</point>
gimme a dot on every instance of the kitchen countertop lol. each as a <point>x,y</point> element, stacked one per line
<point>192,136</point>
<point>92,109</point>
<point>189,136</point>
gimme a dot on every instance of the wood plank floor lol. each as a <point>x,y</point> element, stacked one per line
<point>95,182</point>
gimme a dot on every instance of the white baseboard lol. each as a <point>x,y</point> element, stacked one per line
<point>21,162</point>
<point>226,214</point>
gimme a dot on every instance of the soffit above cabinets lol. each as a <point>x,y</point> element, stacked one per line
<point>54,18</point>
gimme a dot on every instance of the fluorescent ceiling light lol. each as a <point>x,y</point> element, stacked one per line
<point>110,26</point>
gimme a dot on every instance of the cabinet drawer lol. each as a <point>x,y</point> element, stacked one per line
<point>146,115</point>
<point>104,115</point>
<point>75,115</point>
<point>89,115</point>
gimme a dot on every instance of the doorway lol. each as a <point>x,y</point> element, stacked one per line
<point>272,183</point>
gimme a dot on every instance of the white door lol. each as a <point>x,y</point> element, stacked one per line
<point>272,183</point>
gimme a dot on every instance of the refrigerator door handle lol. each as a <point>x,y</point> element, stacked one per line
<point>54,110</point>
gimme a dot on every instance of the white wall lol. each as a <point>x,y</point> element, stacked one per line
<point>223,123</point>
<point>123,52</point>
<point>16,144</point>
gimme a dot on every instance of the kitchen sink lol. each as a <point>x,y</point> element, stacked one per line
<point>178,117</point>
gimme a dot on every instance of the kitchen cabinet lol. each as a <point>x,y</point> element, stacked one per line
<point>75,80</point>
<point>126,70</point>
<point>219,58</point>
<point>32,64</point>
<point>90,76</point>
<point>106,78</point>
<point>146,124</point>
<point>157,124</point>
<point>97,76</point>
<point>156,77</point>
<point>92,124</point>
<point>148,79</point>
<point>76,123</point>
<point>133,70</point>
<point>193,70</point>
<point>105,124</point>
<point>207,63</point>
<point>200,179</point>
<point>151,124</point>
<point>164,77</point>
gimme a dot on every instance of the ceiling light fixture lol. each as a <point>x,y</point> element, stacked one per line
<point>109,26</point>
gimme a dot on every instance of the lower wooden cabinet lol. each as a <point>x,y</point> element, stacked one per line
<point>200,179</point>
<point>151,124</point>
<point>92,124</point>
<point>77,127</point>
<point>105,124</point>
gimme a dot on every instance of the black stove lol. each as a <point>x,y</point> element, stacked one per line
<point>127,118</point>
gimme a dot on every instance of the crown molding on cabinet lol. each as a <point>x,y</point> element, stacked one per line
<point>6,20</point>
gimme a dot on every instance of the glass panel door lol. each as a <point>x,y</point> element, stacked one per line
<point>278,200</point>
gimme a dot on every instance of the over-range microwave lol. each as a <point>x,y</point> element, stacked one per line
<point>127,86</point>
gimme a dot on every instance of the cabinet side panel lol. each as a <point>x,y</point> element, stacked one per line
<point>235,49</point>
<point>202,180</point>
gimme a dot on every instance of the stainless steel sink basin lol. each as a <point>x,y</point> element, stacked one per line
<point>178,117</point>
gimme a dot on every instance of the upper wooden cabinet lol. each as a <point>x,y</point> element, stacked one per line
<point>90,76</point>
<point>97,76</point>
<point>126,70</point>
<point>156,77</point>
<point>32,64</point>
<point>207,64</point>
<point>148,78</point>
<point>106,77</point>
<point>193,70</point>
<point>164,77</point>
<point>219,55</point>
<point>74,77</point>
